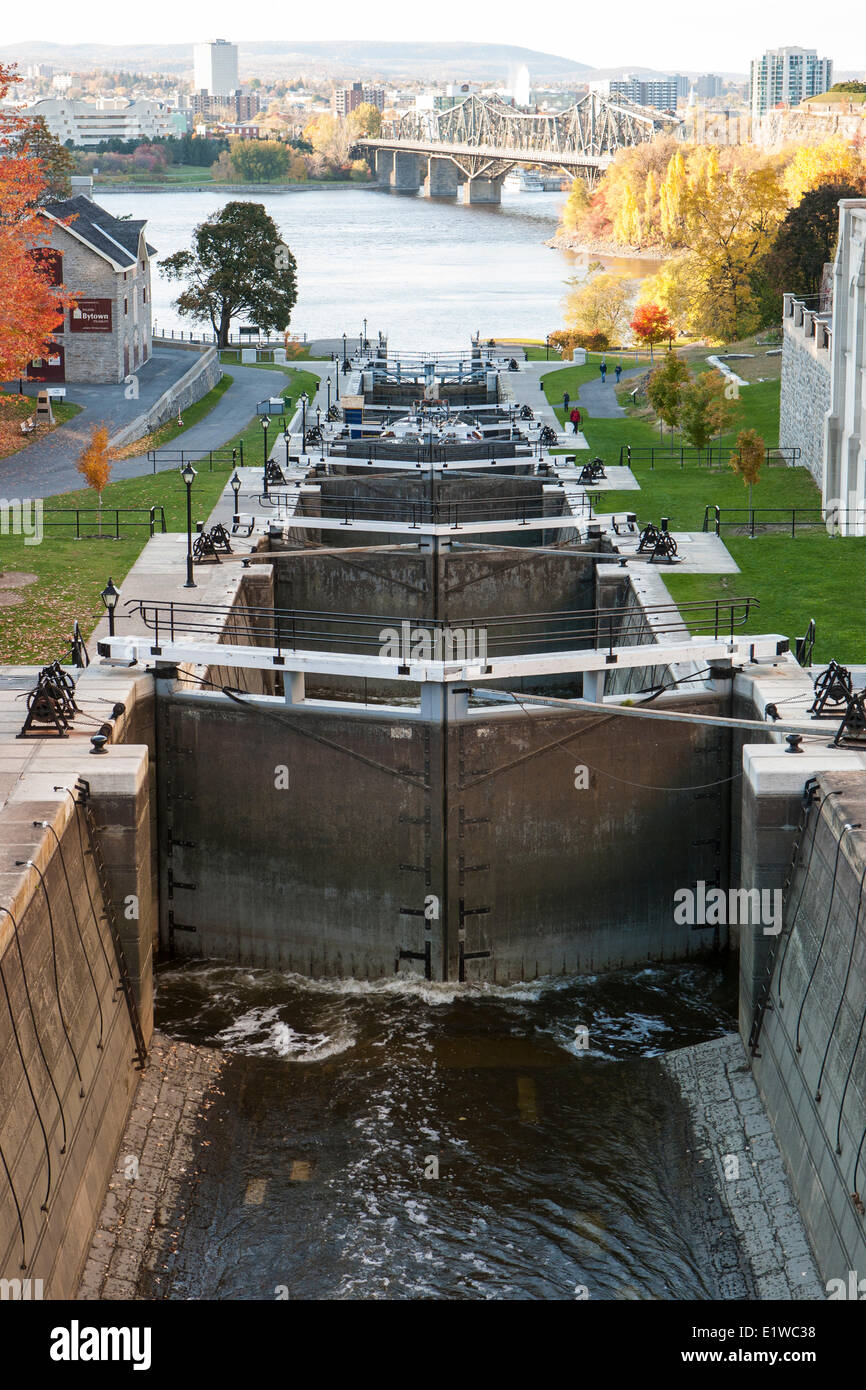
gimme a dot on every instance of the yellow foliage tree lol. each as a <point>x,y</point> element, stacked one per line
<point>94,463</point>
<point>835,160</point>
<point>600,306</point>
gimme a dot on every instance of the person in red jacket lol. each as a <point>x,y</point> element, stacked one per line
<point>574,417</point>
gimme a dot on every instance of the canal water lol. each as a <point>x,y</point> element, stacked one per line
<point>424,272</point>
<point>405,1140</point>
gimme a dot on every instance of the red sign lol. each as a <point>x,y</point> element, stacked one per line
<point>90,316</point>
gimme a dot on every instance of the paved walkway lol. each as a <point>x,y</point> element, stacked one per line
<point>47,468</point>
<point>598,397</point>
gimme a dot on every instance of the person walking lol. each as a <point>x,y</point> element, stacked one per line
<point>566,398</point>
<point>602,367</point>
<point>574,417</point>
<point>618,372</point>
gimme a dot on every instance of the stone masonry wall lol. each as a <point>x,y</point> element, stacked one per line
<point>805,398</point>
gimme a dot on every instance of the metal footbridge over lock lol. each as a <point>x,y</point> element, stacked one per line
<point>485,136</point>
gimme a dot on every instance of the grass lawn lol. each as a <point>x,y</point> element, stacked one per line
<point>71,574</point>
<point>15,408</point>
<point>812,575</point>
<point>171,429</point>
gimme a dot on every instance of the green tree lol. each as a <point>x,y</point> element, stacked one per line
<point>239,265</point>
<point>706,410</point>
<point>56,162</point>
<point>260,161</point>
<point>665,390</point>
<point>805,241</point>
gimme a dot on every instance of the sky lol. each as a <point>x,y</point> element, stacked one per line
<point>603,33</point>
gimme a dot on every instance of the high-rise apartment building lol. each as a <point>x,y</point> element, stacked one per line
<point>215,68</point>
<point>787,76</point>
<point>708,86</point>
<point>346,99</point>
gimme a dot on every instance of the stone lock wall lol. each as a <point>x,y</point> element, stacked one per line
<point>805,398</point>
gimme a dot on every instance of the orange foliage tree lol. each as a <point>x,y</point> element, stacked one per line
<point>651,324</point>
<point>94,463</point>
<point>30,309</point>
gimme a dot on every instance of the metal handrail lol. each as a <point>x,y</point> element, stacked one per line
<point>312,629</point>
<point>178,457</point>
<point>154,519</point>
<point>788,517</point>
<point>683,454</point>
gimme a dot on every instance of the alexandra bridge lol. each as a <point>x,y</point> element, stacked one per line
<point>476,142</point>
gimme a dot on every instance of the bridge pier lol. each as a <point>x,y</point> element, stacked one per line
<point>483,191</point>
<point>443,178</point>
<point>384,167</point>
<point>406,176</point>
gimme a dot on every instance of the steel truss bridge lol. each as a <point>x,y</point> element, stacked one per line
<point>485,137</point>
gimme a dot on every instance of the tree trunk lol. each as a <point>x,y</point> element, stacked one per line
<point>225,325</point>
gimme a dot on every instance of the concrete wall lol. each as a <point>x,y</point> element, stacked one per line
<point>329,875</point>
<point>82,1080</point>
<point>202,376</point>
<point>805,396</point>
<point>811,1062</point>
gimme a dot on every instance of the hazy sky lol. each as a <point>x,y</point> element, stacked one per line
<point>604,33</point>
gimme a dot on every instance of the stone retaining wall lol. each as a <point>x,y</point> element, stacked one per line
<point>195,383</point>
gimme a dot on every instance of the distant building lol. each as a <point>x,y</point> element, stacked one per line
<point>787,76</point>
<point>87,123</point>
<point>708,86</point>
<point>106,260</point>
<point>237,106</point>
<point>36,70</point>
<point>659,92</point>
<point>347,99</point>
<point>215,67</point>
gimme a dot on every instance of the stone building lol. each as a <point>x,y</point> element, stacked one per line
<point>106,260</point>
<point>844,484</point>
<point>805,396</point>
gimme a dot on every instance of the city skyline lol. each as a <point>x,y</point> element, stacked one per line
<point>678,43</point>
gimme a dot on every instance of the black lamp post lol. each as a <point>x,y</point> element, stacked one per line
<point>345,355</point>
<point>547,348</point>
<point>329,393</point>
<point>109,597</point>
<point>365,335</point>
<point>303,404</point>
<point>265,427</point>
<point>318,418</point>
<point>337,379</point>
<point>189,475</point>
<point>235,484</point>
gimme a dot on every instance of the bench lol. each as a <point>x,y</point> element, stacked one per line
<point>28,425</point>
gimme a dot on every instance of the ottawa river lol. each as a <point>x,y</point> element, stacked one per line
<point>563,1172</point>
<point>427,273</point>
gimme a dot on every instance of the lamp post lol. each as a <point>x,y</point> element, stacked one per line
<point>189,475</point>
<point>235,485</point>
<point>109,597</point>
<point>337,378</point>
<point>303,402</point>
<point>547,348</point>
<point>345,356</point>
<point>265,427</point>
<point>365,333</point>
<point>329,393</point>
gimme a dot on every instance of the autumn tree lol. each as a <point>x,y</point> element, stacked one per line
<point>834,160</point>
<point>806,240</point>
<point>30,308</point>
<point>366,119</point>
<point>599,306</point>
<point>751,451</point>
<point>651,324</point>
<point>94,464</point>
<point>239,265</point>
<point>56,163</point>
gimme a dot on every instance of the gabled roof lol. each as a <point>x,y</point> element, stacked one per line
<point>113,238</point>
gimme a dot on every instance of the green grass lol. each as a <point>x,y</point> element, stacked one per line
<point>812,575</point>
<point>71,574</point>
<point>171,429</point>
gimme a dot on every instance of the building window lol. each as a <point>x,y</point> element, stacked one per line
<point>144,296</point>
<point>126,306</point>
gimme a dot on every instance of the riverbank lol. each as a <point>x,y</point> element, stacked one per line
<point>210,186</point>
<point>580,246</point>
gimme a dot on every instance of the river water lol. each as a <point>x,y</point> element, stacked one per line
<point>563,1170</point>
<point>424,272</point>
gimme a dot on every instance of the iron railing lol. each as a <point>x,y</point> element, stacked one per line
<point>168,458</point>
<point>789,519</point>
<point>296,629</point>
<point>92,523</point>
<point>715,455</point>
<point>427,511</point>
